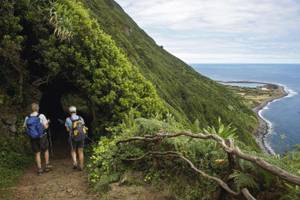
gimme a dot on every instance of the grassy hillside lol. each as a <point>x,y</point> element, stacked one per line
<point>191,95</point>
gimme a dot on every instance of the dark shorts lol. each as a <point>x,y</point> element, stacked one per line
<point>40,144</point>
<point>76,144</point>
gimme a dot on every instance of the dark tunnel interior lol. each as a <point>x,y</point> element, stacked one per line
<point>51,106</point>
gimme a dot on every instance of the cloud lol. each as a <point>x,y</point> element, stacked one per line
<point>198,30</point>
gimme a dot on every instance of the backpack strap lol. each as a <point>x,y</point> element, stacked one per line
<point>75,120</point>
<point>34,116</point>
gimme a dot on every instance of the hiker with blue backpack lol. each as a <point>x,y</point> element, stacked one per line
<point>36,125</point>
<point>77,134</point>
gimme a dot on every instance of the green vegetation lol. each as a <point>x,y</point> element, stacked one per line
<point>133,88</point>
<point>109,163</point>
<point>254,97</point>
<point>14,158</point>
<point>68,44</point>
<point>190,95</point>
<point>36,44</point>
<point>14,149</point>
<point>61,41</point>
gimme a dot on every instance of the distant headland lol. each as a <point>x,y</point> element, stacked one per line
<point>258,98</point>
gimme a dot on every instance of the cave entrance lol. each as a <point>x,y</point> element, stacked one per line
<point>52,106</point>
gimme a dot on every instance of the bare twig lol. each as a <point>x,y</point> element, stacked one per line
<point>41,81</point>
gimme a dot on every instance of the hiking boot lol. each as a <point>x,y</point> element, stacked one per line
<point>80,168</point>
<point>40,172</point>
<point>75,166</point>
<point>48,168</point>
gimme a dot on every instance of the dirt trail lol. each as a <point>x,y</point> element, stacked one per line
<point>61,183</point>
<point>64,183</point>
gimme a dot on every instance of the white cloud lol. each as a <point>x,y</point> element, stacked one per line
<point>196,30</point>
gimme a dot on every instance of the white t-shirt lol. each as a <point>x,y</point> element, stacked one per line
<point>42,117</point>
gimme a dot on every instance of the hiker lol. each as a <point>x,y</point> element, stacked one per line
<point>77,133</point>
<point>36,125</point>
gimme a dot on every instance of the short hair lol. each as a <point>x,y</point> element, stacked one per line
<point>35,107</point>
<point>72,109</point>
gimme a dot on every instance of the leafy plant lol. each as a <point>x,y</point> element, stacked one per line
<point>226,132</point>
<point>292,192</point>
<point>243,180</point>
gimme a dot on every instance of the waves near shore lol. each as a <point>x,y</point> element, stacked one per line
<point>268,130</point>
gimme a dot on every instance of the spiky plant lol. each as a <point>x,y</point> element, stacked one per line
<point>225,131</point>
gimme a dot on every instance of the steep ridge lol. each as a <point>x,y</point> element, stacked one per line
<point>190,95</point>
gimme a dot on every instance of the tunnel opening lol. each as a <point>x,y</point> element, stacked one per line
<point>51,104</point>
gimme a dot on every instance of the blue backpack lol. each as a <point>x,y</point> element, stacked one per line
<point>35,128</point>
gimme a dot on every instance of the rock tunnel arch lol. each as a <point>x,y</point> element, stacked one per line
<point>56,96</point>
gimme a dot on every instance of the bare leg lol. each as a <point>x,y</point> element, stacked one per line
<point>81,157</point>
<point>47,157</point>
<point>73,154</point>
<point>38,160</point>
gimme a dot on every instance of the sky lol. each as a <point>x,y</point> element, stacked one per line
<point>222,31</point>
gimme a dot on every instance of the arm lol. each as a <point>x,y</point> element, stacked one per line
<point>44,121</point>
<point>82,120</point>
<point>67,124</point>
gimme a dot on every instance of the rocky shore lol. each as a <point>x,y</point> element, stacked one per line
<point>260,100</point>
<point>264,127</point>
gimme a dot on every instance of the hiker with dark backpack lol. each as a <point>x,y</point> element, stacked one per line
<point>77,134</point>
<point>36,125</point>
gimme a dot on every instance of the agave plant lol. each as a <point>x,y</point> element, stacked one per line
<point>225,131</point>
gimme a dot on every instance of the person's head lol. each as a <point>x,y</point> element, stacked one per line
<point>35,107</point>
<point>72,110</point>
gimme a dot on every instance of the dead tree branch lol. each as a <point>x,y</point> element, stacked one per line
<point>230,148</point>
<point>245,192</point>
<point>193,167</point>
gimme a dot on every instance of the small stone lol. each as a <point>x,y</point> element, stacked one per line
<point>69,190</point>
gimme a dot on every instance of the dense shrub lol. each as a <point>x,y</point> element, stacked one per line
<point>14,158</point>
<point>108,163</point>
<point>60,40</point>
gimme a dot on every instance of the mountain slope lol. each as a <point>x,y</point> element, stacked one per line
<point>191,95</point>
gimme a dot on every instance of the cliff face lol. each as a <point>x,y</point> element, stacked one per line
<point>189,95</point>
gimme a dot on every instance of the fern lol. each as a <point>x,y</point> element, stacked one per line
<point>293,192</point>
<point>60,20</point>
<point>243,180</point>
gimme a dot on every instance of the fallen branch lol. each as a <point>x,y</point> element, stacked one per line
<point>202,173</point>
<point>230,149</point>
<point>245,192</point>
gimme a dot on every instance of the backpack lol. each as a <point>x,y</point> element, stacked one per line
<point>35,128</point>
<point>79,130</point>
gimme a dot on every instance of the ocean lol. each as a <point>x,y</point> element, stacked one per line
<point>283,115</point>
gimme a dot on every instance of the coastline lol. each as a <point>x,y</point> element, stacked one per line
<point>265,126</point>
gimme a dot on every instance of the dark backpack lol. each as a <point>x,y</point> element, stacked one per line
<point>79,130</point>
<point>35,128</point>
